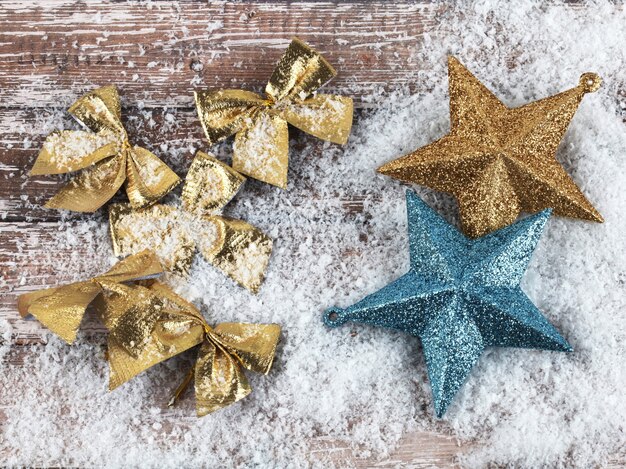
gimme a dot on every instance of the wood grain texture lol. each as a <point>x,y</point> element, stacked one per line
<point>52,48</point>
<point>53,51</point>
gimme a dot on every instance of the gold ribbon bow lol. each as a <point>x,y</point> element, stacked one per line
<point>149,323</point>
<point>142,337</point>
<point>61,309</point>
<point>106,156</point>
<point>239,249</point>
<point>260,124</point>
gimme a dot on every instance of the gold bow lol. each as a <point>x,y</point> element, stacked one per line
<point>261,142</point>
<point>108,156</point>
<point>142,337</point>
<point>239,249</point>
<point>148,323</point>
<point>61,309</point>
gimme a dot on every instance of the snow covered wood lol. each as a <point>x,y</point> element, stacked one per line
<point>350,397</point>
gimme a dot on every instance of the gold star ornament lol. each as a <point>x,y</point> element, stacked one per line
<point>259,124</point>
<point>106,157</point>
<point>499,161</point>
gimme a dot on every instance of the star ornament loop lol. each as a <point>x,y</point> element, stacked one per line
<point>138,341</point>
<point>106,157</point>
<point>238,249</point>
<point>260,123</point>
<point>499,161</point>
<point>460,296</point>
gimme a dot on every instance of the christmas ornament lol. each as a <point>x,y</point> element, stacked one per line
<point>105,155</point>
<point>459,297</point>
<point>499,161</point>
<point>237,248</point>
<point>61,309</point>
<point>148,323</point>
<point>138,341</point>
<point>260,124</point>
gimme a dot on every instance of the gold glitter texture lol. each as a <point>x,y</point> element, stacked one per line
<point>261,142</point>
<point>223,352</point>
<point>237,248</point>
<point>499,161</point>
<point>105,156</point>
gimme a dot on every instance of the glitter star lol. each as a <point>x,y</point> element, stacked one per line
<point>499,161</point>
<point>459,297</point>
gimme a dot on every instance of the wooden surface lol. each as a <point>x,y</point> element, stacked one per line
<point>53,51</point>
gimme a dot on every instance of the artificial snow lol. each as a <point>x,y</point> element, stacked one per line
<point>360,385</point>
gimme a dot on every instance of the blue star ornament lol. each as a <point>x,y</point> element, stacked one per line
<point>460,296</point>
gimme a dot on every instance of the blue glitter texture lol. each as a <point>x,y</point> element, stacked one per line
<point>460,296</point>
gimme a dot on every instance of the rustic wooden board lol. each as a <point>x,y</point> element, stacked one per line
<point>52,47</point>
<point>54,50</point>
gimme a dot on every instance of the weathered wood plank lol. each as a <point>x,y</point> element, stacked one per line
<point>23,268</point>
<point>415,450</point>
<point>54,51</point>
<point>159,52</point>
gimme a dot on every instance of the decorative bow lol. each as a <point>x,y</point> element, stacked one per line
<point>260,124</point>
<point>149,323</point>
<point>107,157</point>
<point>61,309</point>
<point>237,248</point>
<point>140,339</point>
